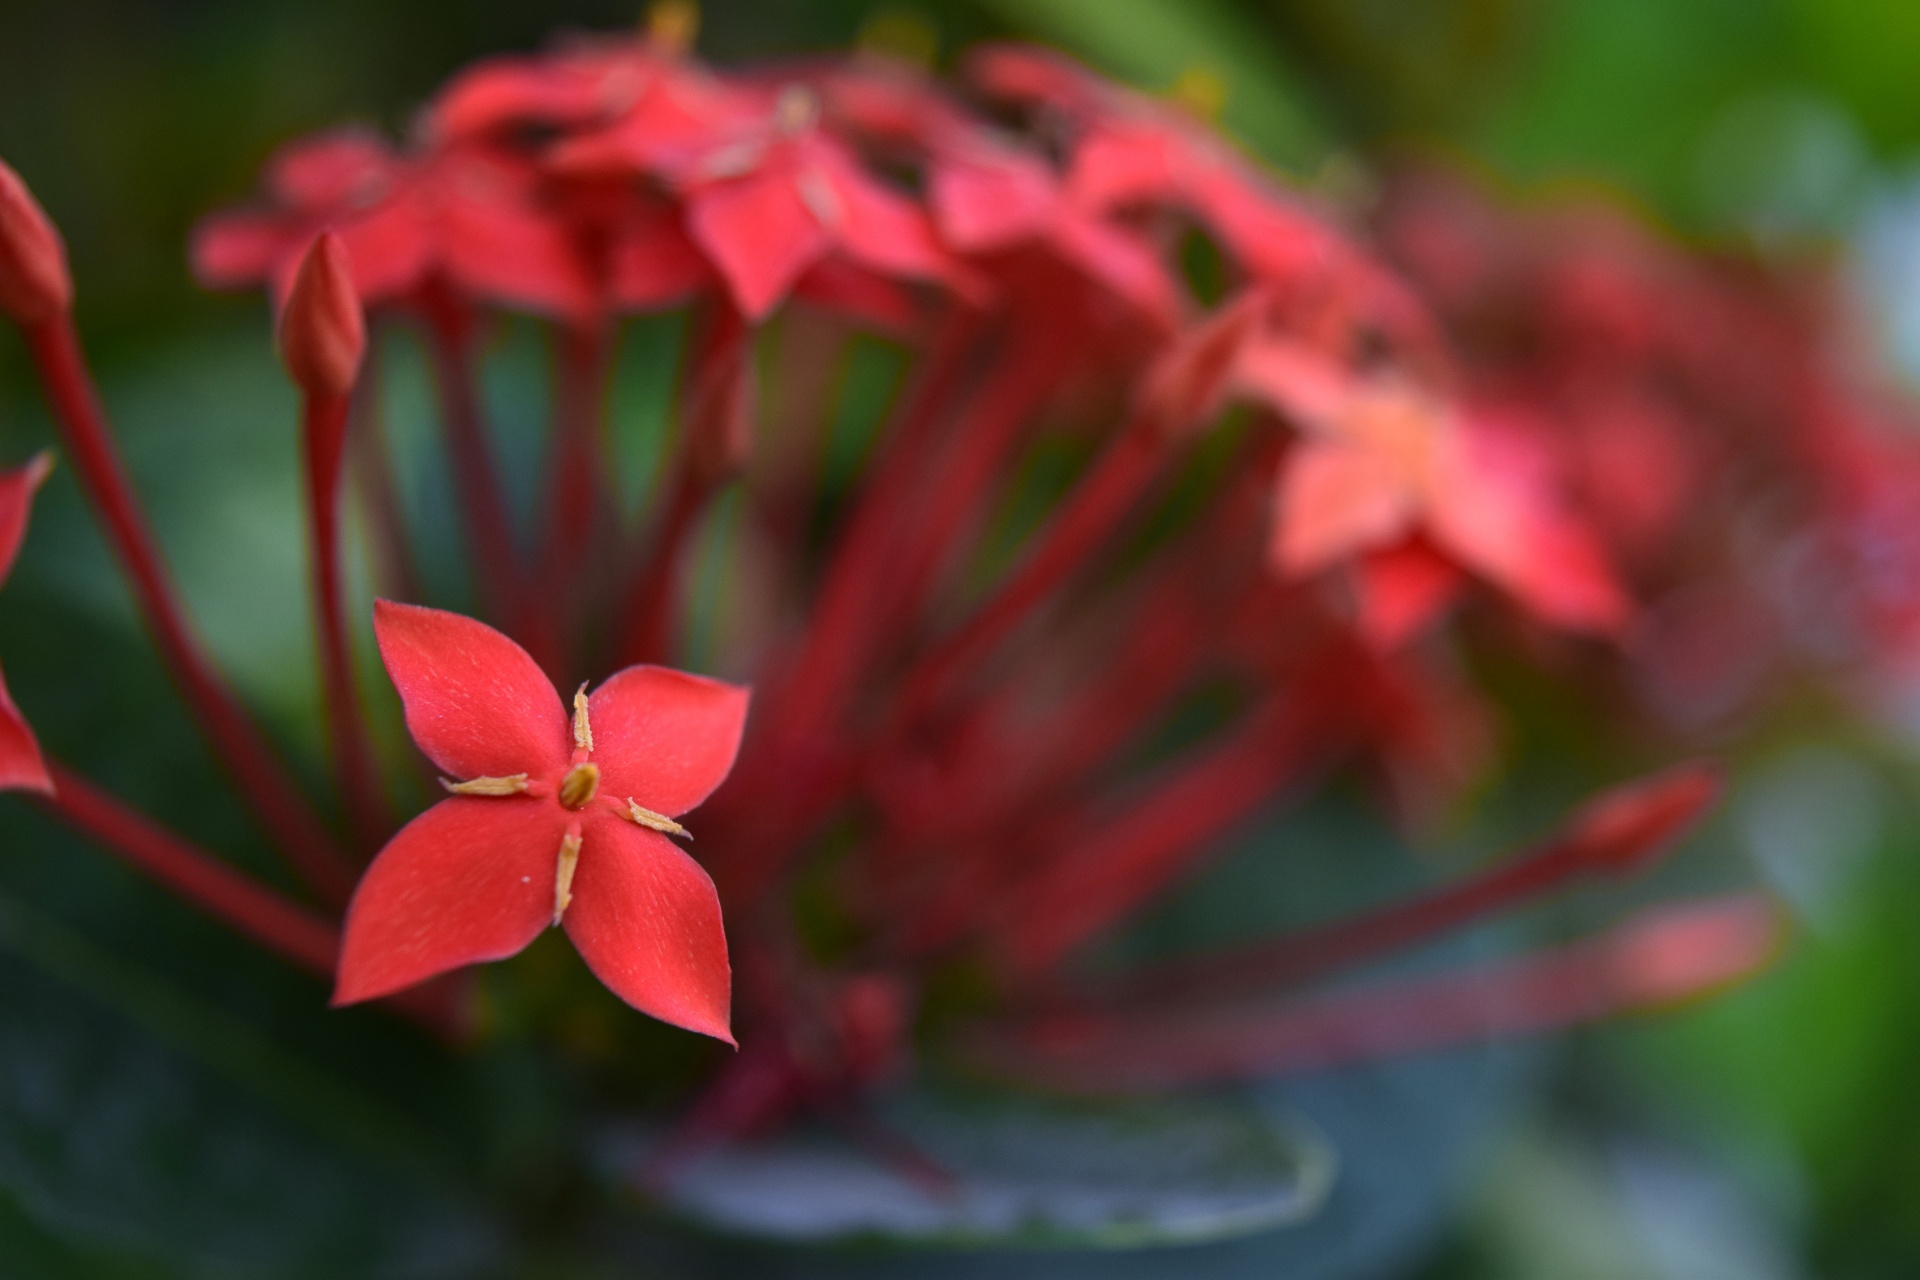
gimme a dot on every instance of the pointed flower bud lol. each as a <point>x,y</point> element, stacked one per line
<point>322,331</point>
<point>1628,828</point>
<point>34,283</point>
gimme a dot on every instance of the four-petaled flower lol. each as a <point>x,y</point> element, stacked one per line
<point>552,820</point>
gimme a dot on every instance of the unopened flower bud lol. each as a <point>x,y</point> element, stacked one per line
<point>322,331</point>
<point>34,283</point>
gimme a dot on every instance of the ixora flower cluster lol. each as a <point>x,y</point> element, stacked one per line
<point>1189,502</point>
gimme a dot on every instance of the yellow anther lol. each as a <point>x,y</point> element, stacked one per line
<point>579,786</point>
<point>582,727</point>
<point>511,785</point>
<point>672,25</point>
<point>563,874</point>
<point>899,35</point>
<point>796,109</point>
<point>1201,91</point>
<point>655,821</point>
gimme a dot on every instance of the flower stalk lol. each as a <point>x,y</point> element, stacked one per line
<point>241,748</point>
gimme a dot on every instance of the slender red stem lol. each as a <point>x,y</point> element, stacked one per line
<point>952,492</point>
<point>398,573</point>
<point>1658,958</point>
<point>1017,767</point>
<point>240,747</point>
<point>482,499</point>
<point>715,425</point>
<point>356,773</point>
<point>289,931</point>
<point>1577,852</point>
<point>1111,865</point>
<point>576,506</point>
<point>897,538</point>
<point>1076,531</point>
<point>654,607</point>
<point>789,468</point>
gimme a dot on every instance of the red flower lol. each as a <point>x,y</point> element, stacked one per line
<point>770,197</point>
<point>1387,475</point>
<point>990,197</point>
<point>477,217</point>
<point>548,823</point>
<point>21,768</point>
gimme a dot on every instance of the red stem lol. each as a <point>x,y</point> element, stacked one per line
<point>788,471</point>
<point>1659,958</point>
<point>1022,766</point>
<point>654,605</point>
<point>1076,531</point>
<point>955,488</point>
<point>476,479</point>
<point>1300,958</point>
<point>910,502</point>
<point>714,443</point>
<point>1109,868</point>
<point>324,430</point>
<point>576,503</point>
<point>399,576</point>
<point>240,747</point>
<point>289,931</point>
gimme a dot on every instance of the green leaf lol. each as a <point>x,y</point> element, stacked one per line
<point>1152,42</point>
<point>1027,1172</point>
<point>179,1141</point>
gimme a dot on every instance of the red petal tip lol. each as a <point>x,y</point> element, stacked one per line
<point>475,702</point>
<point>1628,828</point>
<point>1184,389</point>
<point>34,283</point>
<point>1674,954</point>
<point>323,334</point>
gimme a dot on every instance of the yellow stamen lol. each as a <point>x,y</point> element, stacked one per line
<point>563,874</point>
<point>1201,91</point>
<point>656,821</point>
<point>511,785</point>
<point>579,786</point>
<point>582,727</point>
<point>904,35</point>
<point>672,25</point>
<point>796,110</point>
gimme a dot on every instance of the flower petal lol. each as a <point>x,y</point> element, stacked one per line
<point>511,253</point>
<point>471,879</point>
<point>17,487</point>
<point>665,738</point>
<point>351,167</point>
<point>391,247</point>
<point>651,261</point>
<point>240,250</point>
<point>647,921</point>
<point>1335,501</point>
<point>1499,524</point>
<point>876,225</point>
<point>760,234</point>
<point>21,768</point>
<point>991,200</point>
<point>1401,589</point>
<point>475,702</point>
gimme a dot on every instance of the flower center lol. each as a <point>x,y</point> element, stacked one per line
<point>580,785</point>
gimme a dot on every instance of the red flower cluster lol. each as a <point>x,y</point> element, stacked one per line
<point>1129,559</point>
<point>1694,412</point>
